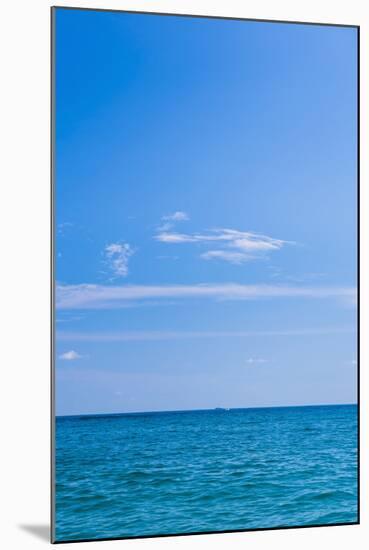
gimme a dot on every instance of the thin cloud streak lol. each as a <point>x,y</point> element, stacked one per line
<point>88,296</point>
<point>244,240</point>
<point>137,336</point>
<point>70,356</point>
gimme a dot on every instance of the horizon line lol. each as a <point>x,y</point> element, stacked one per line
<point>208,409</point>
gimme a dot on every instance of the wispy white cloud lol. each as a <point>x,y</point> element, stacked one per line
<point>147,335</point>
<point>169,221</point>
<point>256,361</point>
<point>117,257</point>
<point>166,237</point>
<point>241,246</point>
<point>177,216</point>
<point>70,356</point>
<point>88,296</point>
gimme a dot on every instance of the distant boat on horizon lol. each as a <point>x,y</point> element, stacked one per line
<point>221,408</point>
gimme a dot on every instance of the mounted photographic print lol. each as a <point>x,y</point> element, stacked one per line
<point>205,268</point>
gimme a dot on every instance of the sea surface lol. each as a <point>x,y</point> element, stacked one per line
<point>145,474</point>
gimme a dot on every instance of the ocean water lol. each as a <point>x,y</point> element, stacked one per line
<point>179,472</point>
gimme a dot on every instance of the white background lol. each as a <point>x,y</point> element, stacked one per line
<point>24,273</point>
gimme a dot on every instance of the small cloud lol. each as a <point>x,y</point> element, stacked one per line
<point>169,221</point>
<point>178,216</point>
<point>256,361</point>
<point>117,256</point>
<point>70,356</point>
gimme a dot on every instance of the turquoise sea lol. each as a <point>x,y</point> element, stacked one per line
<point>141,474</point>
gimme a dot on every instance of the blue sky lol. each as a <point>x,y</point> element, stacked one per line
<point>205,213</point>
